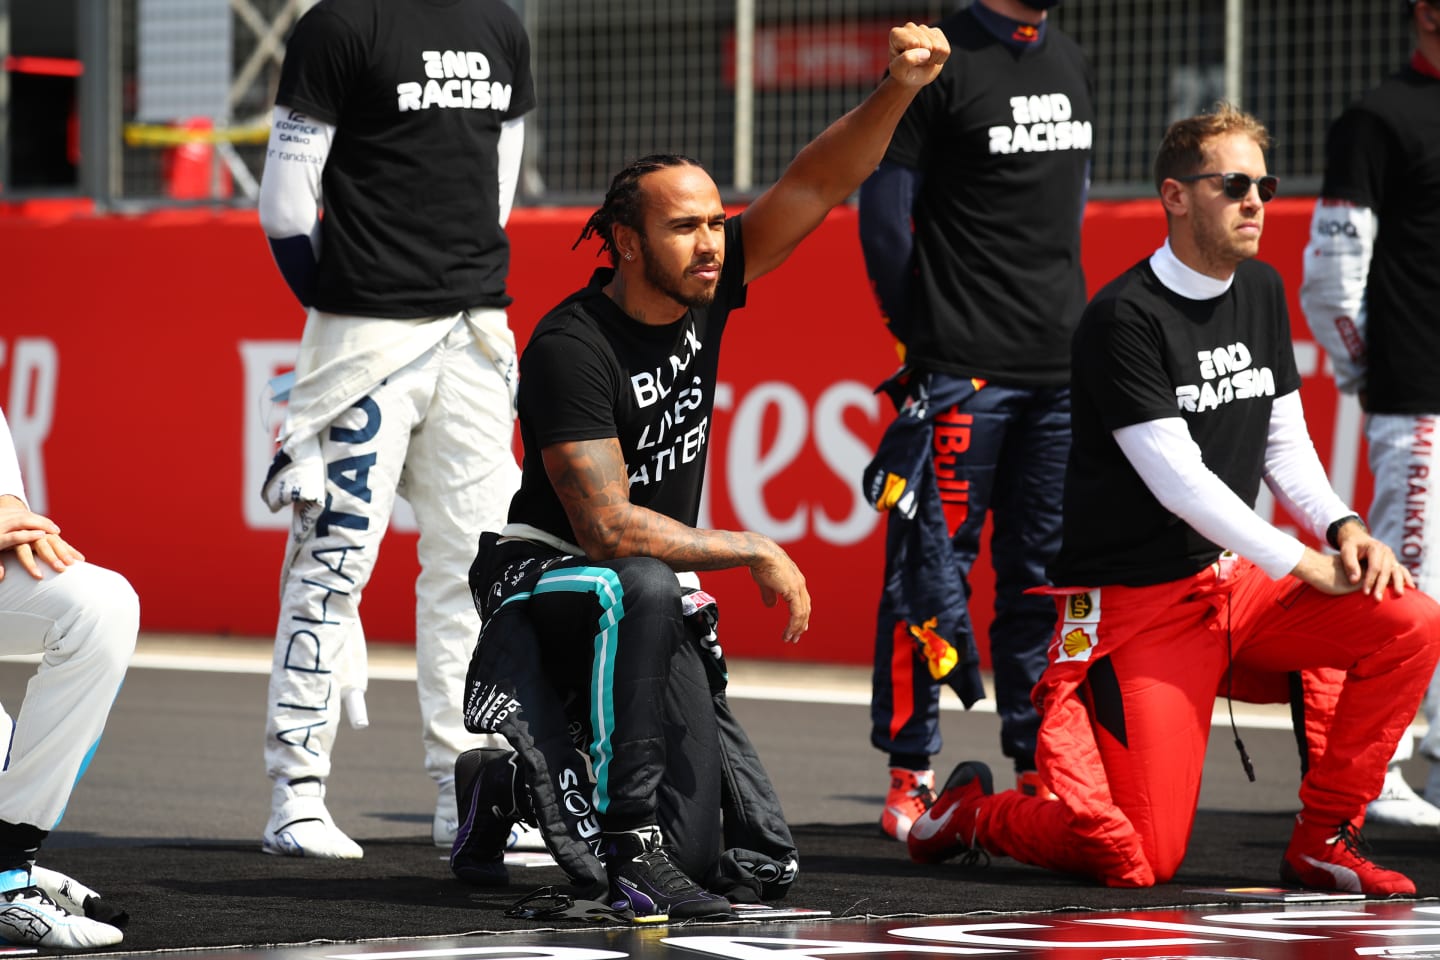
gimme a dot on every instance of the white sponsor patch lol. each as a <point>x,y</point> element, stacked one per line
<point>1079,628</point>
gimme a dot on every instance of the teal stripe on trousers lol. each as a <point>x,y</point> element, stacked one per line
<point>605,585</point>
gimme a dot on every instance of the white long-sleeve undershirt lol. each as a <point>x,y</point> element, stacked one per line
<point>508,152</point>
<point>290,188</point>
<point>10,480</point>
<point>1170,463</point>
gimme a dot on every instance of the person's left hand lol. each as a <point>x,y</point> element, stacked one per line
<point>50,549</point>
<point>780,579</point>
<point>34,538</point>
<point>917,53</point>
<point>1370,563</point>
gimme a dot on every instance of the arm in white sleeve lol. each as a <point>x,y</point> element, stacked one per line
<point>1293,471</point>
<point>1332,293</point>
<point>290,195</point>
<point>10,481</point>
<point>1167,458</point>
<point>510,149</point>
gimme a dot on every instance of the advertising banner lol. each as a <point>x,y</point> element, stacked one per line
<point>135,352</point>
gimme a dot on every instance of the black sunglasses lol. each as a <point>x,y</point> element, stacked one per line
<point>1237,185</point>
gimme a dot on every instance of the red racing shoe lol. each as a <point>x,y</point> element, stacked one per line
<point>947,829</point>
<point>1328,858</point>
<point>911,793</point>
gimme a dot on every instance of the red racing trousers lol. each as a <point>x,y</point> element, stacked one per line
<point>1126,701</point>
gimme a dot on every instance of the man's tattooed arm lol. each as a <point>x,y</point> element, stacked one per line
<point>590,478</point>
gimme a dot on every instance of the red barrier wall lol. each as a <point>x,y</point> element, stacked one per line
<point>133,352</point>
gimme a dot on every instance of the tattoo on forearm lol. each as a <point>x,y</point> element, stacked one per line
<point>591,480</point>
<point>652,534</point>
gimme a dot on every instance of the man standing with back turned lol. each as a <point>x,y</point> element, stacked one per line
<point>1186,398</point>
<point>1370,294</point>
<point>991,165</point>
<point>405,117</point>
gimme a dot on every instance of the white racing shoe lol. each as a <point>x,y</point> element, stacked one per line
<point>447,815</point>
<point>524,837</point>
<point>74,897</point>
<point>1431,793</point>
<point>301,826</point>
<point>1400,806</point>
<point>447,824</point>
<point>29,915</point>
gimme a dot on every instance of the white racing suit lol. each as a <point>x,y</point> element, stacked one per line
<point>83,622</point>
<point>1405,515</point>
<point>1402,447</point>
<point>380,408</point>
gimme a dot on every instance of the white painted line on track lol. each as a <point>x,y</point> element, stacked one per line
<point>254,665</point>
<point>1247,716</point>
<point>737,691</point>
<point>827,685</point>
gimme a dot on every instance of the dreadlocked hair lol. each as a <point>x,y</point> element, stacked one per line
<point>623,201</point>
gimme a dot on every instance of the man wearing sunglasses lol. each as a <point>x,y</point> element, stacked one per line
<point>1171,587</point>
<point>1369,295</point>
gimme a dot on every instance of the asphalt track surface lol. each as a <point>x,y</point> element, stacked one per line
<point>166,825</point>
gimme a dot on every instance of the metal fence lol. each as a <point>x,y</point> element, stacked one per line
<point>739,84</point>
<point>1294,63</point>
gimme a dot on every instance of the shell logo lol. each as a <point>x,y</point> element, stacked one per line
<point>1076,643</point>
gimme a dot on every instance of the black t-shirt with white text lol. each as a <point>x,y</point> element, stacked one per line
<point>1384,154</point>
<point>1003,141</point>
<point>1142,352</point>
<point>591,372</point>
<point>417,91</point>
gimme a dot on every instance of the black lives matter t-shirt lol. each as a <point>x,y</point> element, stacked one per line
<point>591,372</point>
<point>1384,153</point>
<point>1003,140</point>
<point>417,91</point>
<point>1143,352</point>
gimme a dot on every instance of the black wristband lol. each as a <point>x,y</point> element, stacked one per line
<point>1332,532</point>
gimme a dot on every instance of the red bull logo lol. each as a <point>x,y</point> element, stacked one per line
<point>952,438</point>
<point>891,494</point>
<point>940,655</point>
